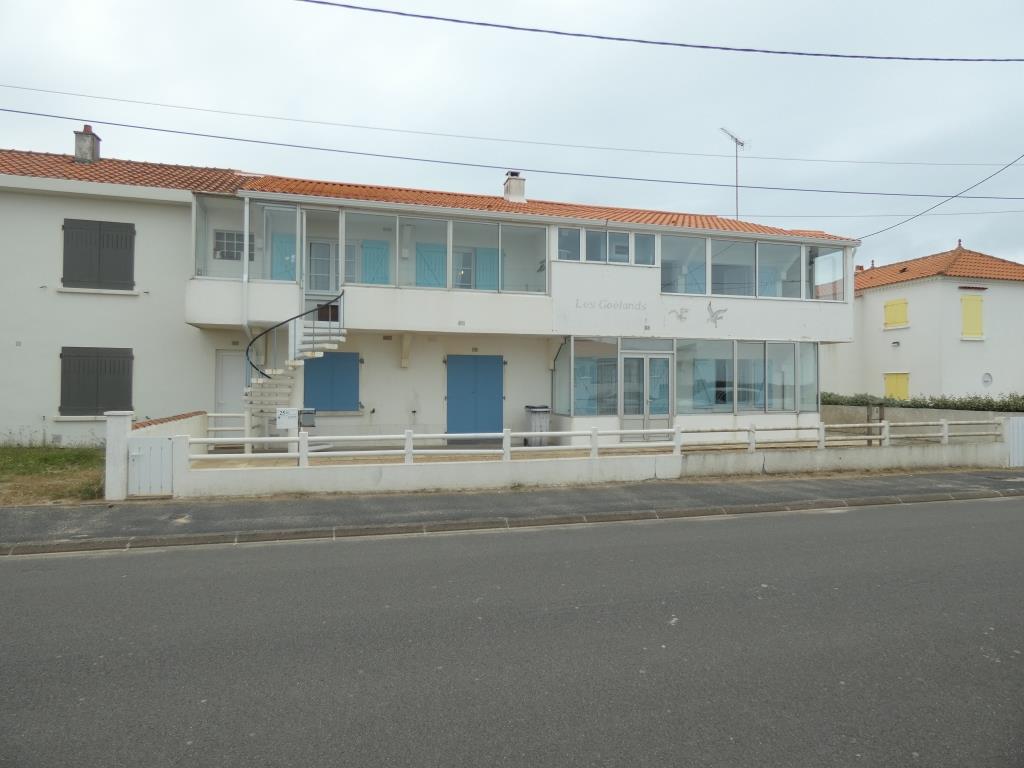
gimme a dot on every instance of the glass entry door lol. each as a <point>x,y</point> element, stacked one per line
<point>646,388</point>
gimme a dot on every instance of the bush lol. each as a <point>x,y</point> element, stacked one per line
<point>1013,402</point>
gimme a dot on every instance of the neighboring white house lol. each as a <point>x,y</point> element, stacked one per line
<point>139,286</point>
<point>945,324</point>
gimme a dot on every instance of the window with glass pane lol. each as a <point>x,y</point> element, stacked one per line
<point>683,261</point>
<point>778,270</point>
<point>369,249</point>
<point>475,256</point>
<point>704,376</point>
<point>825,276</point>
<point>808,376</point>
<point>750,375</point>
<point>276,231</point>
<point>524,258</point>
<point>318,272</point>
<point>780,375</point>
<point>597,245</point>
<point>596,377</point>
<point>423,252</point>
<point>568,244</point>
<point>561,381</point>
<point>732,268</point>
<point>643,250</point>
<point>618,247</point>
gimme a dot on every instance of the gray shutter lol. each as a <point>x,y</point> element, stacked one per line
<point>117,256</point>
<point>81,253</point>
<point>114,379</point>
<point>78,381</point>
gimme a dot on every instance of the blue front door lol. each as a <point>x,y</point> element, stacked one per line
<point>475,393</point>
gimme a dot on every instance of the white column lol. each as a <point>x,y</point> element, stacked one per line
<point>119,428</point>
<point>180,466</point>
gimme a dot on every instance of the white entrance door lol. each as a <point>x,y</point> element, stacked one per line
<point>230,381</point>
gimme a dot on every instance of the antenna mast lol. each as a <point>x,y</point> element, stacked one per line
<point>739,143</point>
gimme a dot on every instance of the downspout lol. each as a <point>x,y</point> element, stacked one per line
<point>245,270</point>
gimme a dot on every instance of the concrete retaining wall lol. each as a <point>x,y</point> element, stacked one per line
<point>857,414</point>
<point>475,475</point>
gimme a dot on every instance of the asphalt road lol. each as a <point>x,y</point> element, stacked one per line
<point>877,636</point>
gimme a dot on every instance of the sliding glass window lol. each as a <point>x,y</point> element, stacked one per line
<point>475,262</point>
<point>369,249</point>
<point>561,380</point>
<point>683,264</point>
<point>808,376</point>
<point>423,252</point>
<point>778,270</point>
<point>524,257</point>
<point>569,244</point>
<point>704,376</point>
<point>750,375</point>
<point>643,252</point>
<point>780,372</point>
<point>732,268</point>
<point>825,273</point>
<point>597,245</point>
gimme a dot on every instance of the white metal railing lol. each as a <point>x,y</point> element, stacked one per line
<point>500,444</point>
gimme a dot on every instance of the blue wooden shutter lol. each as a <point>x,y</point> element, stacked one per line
<point>430,265</point>
<point>331,382</point>
<point>376,262</point>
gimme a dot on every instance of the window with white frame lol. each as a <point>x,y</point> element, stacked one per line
<point>228,245</point>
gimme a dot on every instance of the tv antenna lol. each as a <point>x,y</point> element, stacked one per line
<point>739,144</point>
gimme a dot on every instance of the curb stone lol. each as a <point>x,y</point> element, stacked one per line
<point>497,523</point>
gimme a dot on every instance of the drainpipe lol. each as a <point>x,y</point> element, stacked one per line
<point>245,270</point>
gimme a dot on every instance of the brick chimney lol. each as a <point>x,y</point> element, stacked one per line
<point>87,145</point>
<point>515,187</point>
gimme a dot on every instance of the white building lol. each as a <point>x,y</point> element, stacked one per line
<point>945,324</point>
<point>139,286</point>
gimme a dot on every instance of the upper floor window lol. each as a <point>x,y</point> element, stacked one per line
<point>683,264</point>
<point>606,246</point>
<point>825,273</point>
<point>99,254</point>
<point>228,245</point>
<point>569,244</point>
<point>732,268</point>
<point>971,325</point>
<point>779,268</point>
<point>896,314</point>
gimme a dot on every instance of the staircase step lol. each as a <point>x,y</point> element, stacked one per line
<point>323,346</point>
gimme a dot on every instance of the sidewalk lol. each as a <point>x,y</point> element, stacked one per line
<point>29,530</point>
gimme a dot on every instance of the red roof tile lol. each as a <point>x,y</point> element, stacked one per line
<point>498,204</point>
<point>221,180</point>
<point>51,166</point>
<point>959,262</point>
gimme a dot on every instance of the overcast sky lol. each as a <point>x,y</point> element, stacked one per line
<point>288,58</point>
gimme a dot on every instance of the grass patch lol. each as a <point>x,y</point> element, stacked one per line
<point>38,475</point>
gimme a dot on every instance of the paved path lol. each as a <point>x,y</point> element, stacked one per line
<point>875,636</point>
<point>25,530</point>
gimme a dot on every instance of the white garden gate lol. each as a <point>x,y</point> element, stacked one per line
<point>149,466</point>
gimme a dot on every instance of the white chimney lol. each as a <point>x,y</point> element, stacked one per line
<point>515,187</point>
<point>87,145</point>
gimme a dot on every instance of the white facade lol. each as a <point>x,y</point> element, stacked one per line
<point>196,301</point>
<point>931,347</point>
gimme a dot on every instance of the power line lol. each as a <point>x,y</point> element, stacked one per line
<point>863,215</point>
<point>491,166</point>
<point>474,137</point>
<point>943,202</point>
<point>662,43</point>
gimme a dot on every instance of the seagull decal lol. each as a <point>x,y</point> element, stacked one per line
<point>714,315</point>
<point>680,313</point>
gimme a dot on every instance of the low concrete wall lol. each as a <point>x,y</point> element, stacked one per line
<point>475,475</point>
<point>857,414</point>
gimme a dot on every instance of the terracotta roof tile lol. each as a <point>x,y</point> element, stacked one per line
<point>51,166</point>
<point>498,204</point>
<point>222,180</point>
<point>959,262</point>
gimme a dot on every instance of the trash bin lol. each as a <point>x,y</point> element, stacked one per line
<point>540,421</point>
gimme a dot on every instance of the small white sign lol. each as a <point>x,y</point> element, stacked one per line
<point>287,418</point>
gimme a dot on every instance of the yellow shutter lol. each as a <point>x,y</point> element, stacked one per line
<point>897,385</point>
<point>895,313</point>
<point>970,314</point>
